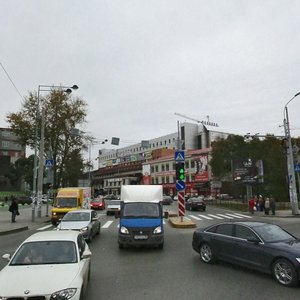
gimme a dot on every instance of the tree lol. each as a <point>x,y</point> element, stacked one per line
<point>62,114</point>
<point>269,150</point>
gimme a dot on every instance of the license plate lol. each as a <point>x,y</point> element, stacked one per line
<point>140,237</point>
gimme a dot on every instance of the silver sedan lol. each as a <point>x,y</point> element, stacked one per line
<point>84,220</point>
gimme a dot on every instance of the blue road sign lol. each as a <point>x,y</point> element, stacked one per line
<point>49,162</point>
<point>297,168</point>
<point>179,155</point>
<point>180,185</point>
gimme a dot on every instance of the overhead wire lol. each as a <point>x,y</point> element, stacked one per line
<point>12,81</point>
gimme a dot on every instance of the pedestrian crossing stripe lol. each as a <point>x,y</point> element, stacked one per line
<point>199,217</point>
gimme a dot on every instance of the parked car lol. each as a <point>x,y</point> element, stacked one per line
<point>256,245</point>
<point>113,207</point>
<point>167,200</point>
<point>47,265</point>
<point>24,200</point>
<point>84,220</point>
<point>195,203</point>
<point>98,203</point>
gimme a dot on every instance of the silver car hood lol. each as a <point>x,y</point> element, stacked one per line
<point>69,225</point>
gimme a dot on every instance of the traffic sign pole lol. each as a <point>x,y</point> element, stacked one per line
<point>181,205</point>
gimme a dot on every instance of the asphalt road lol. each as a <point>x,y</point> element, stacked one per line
<point>175,272</point>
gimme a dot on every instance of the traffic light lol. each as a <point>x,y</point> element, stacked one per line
<point>180,172</point>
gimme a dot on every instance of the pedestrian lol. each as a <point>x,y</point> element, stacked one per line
<point>261,203</point>
<point>14,209</point>
<point>272,205</point>
<point>251,205</point>
<point>267,206</point>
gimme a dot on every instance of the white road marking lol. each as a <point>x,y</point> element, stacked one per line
<point>107,224</point>
<point>245,216</point>
<point>234,216</point>
<point>194,217</point>
<point>45,227</point>
<point>217,217</point>
<point>227,217</point>
<point>205,217</point>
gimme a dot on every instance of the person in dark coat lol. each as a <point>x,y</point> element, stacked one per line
<point>14,209</point>
<point>272,205</point>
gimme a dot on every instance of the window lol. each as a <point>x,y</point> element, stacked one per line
<point>167,167</point>
<point>163,168</point>
<point>225,229</point>
<point>244,232</point>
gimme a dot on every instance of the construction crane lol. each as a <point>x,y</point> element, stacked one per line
<point>202,122</point>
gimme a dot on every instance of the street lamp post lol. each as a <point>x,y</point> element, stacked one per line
<point>44,88</point>
<point>290,161</point>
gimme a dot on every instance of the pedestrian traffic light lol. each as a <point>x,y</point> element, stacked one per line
<point>180,172</point>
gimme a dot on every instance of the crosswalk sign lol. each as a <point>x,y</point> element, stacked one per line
<point>49,163</point>
<point>179,155</point>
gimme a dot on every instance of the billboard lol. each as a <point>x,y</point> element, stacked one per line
<point>248,170</point>
<point>201,168</point>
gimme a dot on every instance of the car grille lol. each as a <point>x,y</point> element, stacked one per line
<point>26,298</point>
<point>142,232</point>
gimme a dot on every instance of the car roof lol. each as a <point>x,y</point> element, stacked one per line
<point>251,224</point>
<point>80,211</point>
<point>53,235</point>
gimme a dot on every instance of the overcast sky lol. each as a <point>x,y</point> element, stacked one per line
<point>137,62</point>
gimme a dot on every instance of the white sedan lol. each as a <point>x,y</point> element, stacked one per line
<point>47,265</point>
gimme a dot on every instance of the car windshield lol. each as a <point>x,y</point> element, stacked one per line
<point>149,210</point>
<point>76,216</point>
<point>272,233</point>
<point>66,202</point>
<point>97,200</point>
<point>45,252</point>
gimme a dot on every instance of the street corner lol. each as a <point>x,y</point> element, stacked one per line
<point>179,222</point>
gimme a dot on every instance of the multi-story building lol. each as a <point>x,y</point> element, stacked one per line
<point>152,162</point>
<point>10,151</point>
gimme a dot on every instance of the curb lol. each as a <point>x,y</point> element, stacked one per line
<point>14,230</point>
<point>177,223</point>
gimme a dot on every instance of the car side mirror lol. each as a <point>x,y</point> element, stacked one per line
<point>117,214</point>
<point>6,257</point>
<point>86,254</point>
<point>253,240</point>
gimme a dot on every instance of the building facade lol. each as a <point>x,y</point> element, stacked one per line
<point>10,151</point>
<point>152,162</point>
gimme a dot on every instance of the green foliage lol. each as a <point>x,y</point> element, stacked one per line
<point>269,150</point>
<point>62,114</point>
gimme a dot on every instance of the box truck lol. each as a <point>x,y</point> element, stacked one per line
<point>141,216</point>
<point>70,198</point>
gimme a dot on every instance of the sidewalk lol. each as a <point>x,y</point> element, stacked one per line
<point>24,220</point>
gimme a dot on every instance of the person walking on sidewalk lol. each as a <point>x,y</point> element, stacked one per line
<point>272,205</point>
<point>14,209</point>
<point>267,206</point>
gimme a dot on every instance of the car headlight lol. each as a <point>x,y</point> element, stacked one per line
<point>124,230</point>
<point>64,294</point>
<point>157,230</point>
<point>298,259</point>
<point>84,229</point>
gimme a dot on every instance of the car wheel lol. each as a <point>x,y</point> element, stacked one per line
<point>206,253</point>
<point>204,209</point>
<point>284,272</point>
